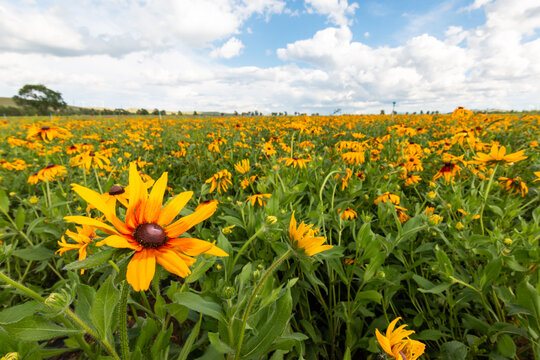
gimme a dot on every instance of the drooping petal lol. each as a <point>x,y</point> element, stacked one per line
<point>169,212</point>
<point>83,220</point>
<point>384,342</point>
<point>95,199</point>
<point>202,213</point>
<point>153,205</point>
<point>141,269</point>
<point>172,261</point>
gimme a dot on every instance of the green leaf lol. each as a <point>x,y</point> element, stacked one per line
<point>37,329</point>
<point>20,216</point>
<point>4,201</point>
<point>430,334</point>
<point>199,304</point>
<point>453,350</point>
<point>92,261</point>
<point>368,296</point>
<point>219,345</point>
<point>506,346</point>
<point>18,312</point>
<point>186,349</point>
<point>85,298</point>
<point>37,253</point>
<point>258,345</point>
<point>105,302</point>
<point>177,311</point>
<point>374,265</point>
<point>200,269</point>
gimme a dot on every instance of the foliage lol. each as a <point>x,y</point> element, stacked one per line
<point>39,98</point>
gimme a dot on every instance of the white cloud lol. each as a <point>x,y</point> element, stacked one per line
<point>338,11</point>
<point>230,49</point>
<point>140,57</point>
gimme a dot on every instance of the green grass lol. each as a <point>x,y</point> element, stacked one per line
<point>7,101</point>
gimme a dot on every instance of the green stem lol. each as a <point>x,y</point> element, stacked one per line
<point>252,300</point>
<point>124,345</point>
<point>97,180</point>
<point>485,198</point>
<point>246,244</point>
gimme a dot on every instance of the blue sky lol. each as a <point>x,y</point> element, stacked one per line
<point>276,55</point>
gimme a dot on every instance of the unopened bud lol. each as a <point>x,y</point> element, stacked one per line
<point>228,292</point>
<point>271,219</point>
<point>435,219</point>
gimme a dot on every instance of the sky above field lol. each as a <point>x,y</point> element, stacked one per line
<point>313,56</point>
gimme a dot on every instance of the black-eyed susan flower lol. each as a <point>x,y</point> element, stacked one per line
<point>247,181</point>
<point>48,173</point>
<point>514,185</point>
<point>396,342</point>
<point>387,196</point>
<point>242,166</point>
<point>220,180</point>
<point>449,170</point>
<point>348,214</point>
<point>90,159</point>
<point>304,237</point>
<point>258,198</point>
<point>83,237</point>
<point>295,161</point>
<point>498,155</point>
<point>47,132</point>
<point>149,230</point>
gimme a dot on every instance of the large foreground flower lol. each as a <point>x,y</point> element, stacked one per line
<point>303,237</point>
<point>149,229</point>
<point>396,342</point>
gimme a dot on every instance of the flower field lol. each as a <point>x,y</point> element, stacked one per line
<point>346,237</point>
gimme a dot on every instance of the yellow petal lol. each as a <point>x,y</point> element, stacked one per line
<point>194,247</point>
<point>83,220</point>
<point>172,262</point>
<point>202,213</point>
<point>141,269</point>
<point>95,199</point>
<point>169,212</point>
<point>137,195</point>
<point>384,342</point>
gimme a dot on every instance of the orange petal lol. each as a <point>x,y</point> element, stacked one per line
<point>169,212</point>
<point>120,242</point>
<point>137,195</point>
<point>172,262</point>
<point>202,213</point>
<point>141,269</point>
<point>153,205</point>
<point>194,247</point>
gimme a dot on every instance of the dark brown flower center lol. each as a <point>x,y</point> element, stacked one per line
<point>150,235</point>
<point>117,190</point>
<point>92,153</point>
<point>45,128</point>
<point>49,166</point>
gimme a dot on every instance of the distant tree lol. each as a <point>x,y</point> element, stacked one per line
<point>194,113</point>
<point>142,112</point>
<point>382,112</point>
<point>155,112</point>
<point>39,98</point>
<point>179,113</point>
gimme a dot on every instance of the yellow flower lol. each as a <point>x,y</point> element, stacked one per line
<point>271,219</point>
<point>387,196</point>
<point>514,185</point>
<point>258,198</point>
<point>431,195</point>
<point>498,155</point>
<point>435,219</point>
<point>294,161</point>
<point>47,132</point>
<point>220,180</point>
<point>10,356</point>
<point>227,230</point>
<point>84,236</point>
<point>48,173</point>
<point>33,200</point>
<point>242,166</point>
<point>348,214</point>
<point>460,226</point>
<point>90,159</point>
<point>396,342</point>
<point>303,237</point>
<point>149,229</point>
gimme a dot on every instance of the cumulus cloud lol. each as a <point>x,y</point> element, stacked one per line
<point>145,59</point>
<point>338,11</point>
<point>72,28</point>
<point>230,49</point>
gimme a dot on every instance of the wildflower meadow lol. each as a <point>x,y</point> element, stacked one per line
<point>256,237</point>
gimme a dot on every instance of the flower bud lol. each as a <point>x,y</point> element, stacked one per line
<point>460,226</point>
<point>431,195</point>
<point>58,301</point>
<point>271,219</point>
<point>257,275</point>
<point>11,356</point>
<point>435,219</point>
<point>228,292</point>
<point>508,241</point>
